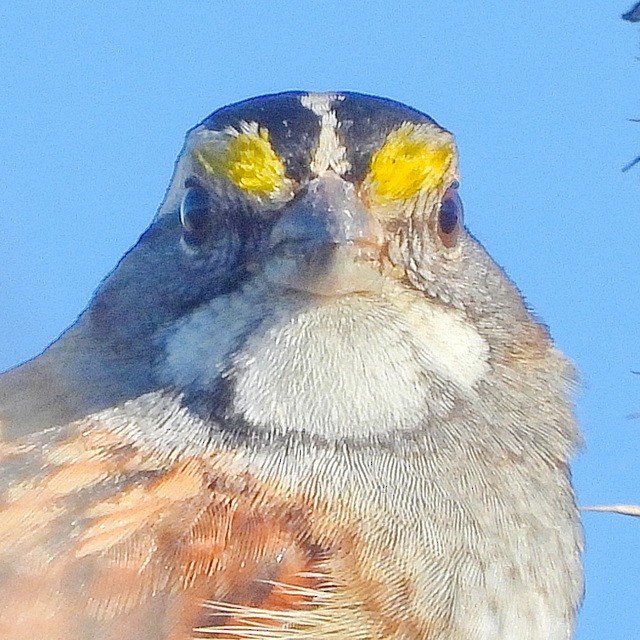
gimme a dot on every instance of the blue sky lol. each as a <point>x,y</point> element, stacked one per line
<point>95,99</point>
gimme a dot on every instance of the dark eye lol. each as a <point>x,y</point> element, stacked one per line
<point>450,217</point>
<point>196,215</point>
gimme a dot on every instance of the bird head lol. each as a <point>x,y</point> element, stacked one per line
<point>307,273</point>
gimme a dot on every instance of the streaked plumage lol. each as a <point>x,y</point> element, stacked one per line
<point>307,404</point>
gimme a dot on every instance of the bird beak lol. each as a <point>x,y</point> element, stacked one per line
<point>326,242</point>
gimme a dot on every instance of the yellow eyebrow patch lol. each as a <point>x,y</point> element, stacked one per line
<point>413,158</point>
<point>248,160</point>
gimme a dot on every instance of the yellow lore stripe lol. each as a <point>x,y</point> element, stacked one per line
<point>413,158</point>
<point>248,160</point>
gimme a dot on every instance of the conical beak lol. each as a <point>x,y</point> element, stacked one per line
<point>326,242</point>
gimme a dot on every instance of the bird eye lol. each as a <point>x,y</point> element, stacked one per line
<point>450,217</point>
<point>196,215</point>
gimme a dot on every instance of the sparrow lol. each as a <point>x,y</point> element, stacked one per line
<point>306,404</point>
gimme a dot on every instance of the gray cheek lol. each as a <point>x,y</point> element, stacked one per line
<point>157,282</point>
<point>197,349</point>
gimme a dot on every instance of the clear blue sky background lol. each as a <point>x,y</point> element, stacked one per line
<point>95,98</point>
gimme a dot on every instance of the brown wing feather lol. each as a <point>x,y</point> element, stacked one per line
<point>101,539</point>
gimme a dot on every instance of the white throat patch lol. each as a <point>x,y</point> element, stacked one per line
<point>346,367</point>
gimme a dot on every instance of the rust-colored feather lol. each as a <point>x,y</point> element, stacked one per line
<point>103,538</point>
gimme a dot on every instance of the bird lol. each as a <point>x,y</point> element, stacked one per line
<point>306,404</point>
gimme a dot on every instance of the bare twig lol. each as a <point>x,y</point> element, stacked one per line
<point>631,164</point>
<point>623,509</point>
<point>633,15</point>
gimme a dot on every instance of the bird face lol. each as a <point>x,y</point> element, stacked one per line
<point>331,216</point>
<point>306,404</point>
<point>324,218</point>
